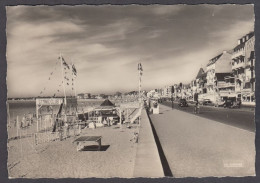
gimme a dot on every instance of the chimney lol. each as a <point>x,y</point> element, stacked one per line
<point>238,42</point>
<point>224,51</point>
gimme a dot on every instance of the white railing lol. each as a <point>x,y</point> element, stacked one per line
<point>238,54</point>
<point>238,65</point>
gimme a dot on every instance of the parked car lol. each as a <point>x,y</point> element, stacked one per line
<point>228,103</point>
<point>236,104</point>
<point>206,102</point>
<point>183,103</point>
<point>219,103</point>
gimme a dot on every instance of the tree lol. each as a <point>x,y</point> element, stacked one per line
<point>103,96</point>
<point>180,85</point>
<point>118,94</point>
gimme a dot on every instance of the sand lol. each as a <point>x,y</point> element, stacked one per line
<point>60,159</point>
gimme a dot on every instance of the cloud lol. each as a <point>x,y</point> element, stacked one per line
<point>107,42</point>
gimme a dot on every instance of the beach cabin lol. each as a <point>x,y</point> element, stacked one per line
<point>105,113</point>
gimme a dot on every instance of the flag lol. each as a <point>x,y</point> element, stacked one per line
<point>64,62</point>
<point>74,71</point>
<point>140,67</point>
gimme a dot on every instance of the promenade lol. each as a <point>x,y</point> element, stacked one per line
<point>147,160</point>
<point>199,147</point>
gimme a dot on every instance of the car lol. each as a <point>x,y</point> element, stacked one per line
<point>219,103</point>
<point>228,103</point>
<point>206,102</point>
<point>182,103</point>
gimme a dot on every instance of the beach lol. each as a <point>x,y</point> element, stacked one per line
<point>60,159</point>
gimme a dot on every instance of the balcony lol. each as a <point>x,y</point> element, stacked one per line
<point>238,65</point>
<point>240,53</point>
<point>209,83</point>
<point>227,93</point>
<point>226,85</point>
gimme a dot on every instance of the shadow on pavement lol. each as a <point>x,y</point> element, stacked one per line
<point>166,168</point>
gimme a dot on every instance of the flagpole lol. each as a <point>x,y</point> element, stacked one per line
<point>139,88</point>
<point>75,91</point>
<point>62,75</point>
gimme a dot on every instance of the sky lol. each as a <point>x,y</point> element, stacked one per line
<point>106,43</point>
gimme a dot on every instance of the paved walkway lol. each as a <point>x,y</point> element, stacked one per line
<point>199,147</point>
<point>147,161</point>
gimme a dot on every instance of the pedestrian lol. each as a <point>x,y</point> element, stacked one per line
<point>196,99</point>
<point>23,121</point>
<point>67,129</point>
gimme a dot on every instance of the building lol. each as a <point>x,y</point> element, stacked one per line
<point>243,62</point>
<point>87,95</point>
<point>226,89</point>
<point>167,91</point>
<point>200,82</point>
<point>81,96</point>
<point>217,69</point>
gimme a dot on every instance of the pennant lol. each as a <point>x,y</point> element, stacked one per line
<point>74,70</point>
<point>64,63</point>
<point>140,67</point>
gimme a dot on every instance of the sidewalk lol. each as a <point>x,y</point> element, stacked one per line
<point>199,147</point>
<point>147,160</point>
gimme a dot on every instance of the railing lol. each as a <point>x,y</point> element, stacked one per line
<point>238,65</point>
<point>225,85</point>
<point>63,133</point>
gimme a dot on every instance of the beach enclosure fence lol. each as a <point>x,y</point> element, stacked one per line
<point>63,133</point>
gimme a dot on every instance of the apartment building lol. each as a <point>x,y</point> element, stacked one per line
<point>217,69</point>
<point>243,62</point>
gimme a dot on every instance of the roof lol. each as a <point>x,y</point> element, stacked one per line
<point>107,103</point>
<point>213,60</point>
<point>239,46</point>
<point>200,73</point>
<point>250,34</point>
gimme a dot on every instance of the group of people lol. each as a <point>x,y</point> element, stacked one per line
<point>108,121</point>
<point>26,121</point>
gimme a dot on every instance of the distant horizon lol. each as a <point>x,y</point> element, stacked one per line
<point>105,43</point>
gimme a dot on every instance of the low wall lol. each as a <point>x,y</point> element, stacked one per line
<point>147,161</point>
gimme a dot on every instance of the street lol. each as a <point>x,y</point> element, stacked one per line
<point>241,118</point>
<point>194,146</point>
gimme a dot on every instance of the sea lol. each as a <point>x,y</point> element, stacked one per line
<point>21,107</point>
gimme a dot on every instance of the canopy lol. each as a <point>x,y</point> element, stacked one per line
<point>107,103</point>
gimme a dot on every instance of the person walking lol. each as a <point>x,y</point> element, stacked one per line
<point>196,99</point>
